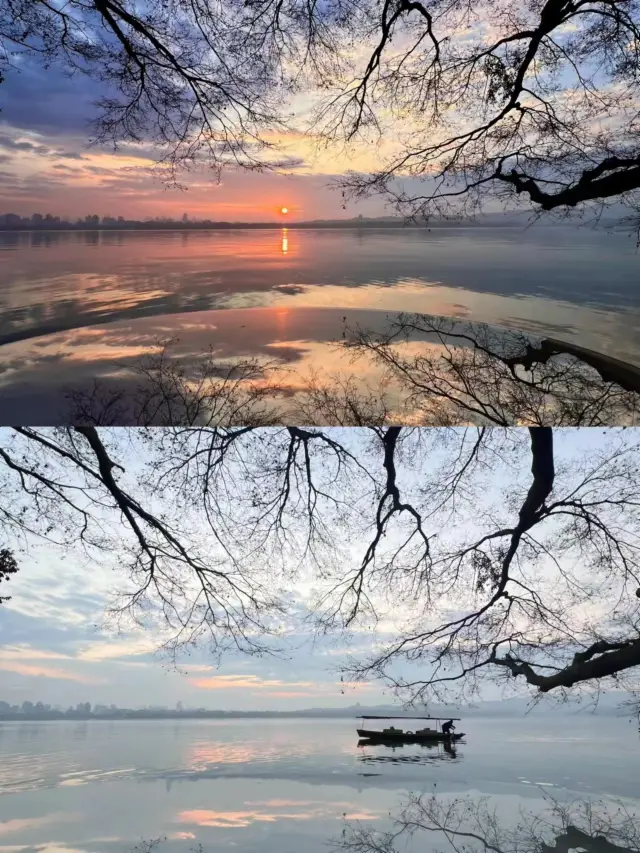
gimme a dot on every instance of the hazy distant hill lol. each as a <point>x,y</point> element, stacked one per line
<point>609,705</point>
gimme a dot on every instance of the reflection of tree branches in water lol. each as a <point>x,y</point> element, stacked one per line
<point>482,375</point>
<point>171,392</point>
<point>433,372</point>
<point>469,824</point>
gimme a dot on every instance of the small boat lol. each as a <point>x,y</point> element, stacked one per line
<point>429,734</point>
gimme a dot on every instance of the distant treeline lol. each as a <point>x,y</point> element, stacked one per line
<point>211,226</point>
<point>14,223</point>
<point>126,714</point>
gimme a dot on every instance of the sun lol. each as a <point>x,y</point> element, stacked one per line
<point>284,210</point>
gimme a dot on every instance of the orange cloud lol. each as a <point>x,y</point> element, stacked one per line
<point>33,670</point>
<point>273,687</point>
<point>206,817</point>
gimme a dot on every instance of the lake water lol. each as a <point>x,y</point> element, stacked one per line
<point>79,306</point>
<point>279,786</point>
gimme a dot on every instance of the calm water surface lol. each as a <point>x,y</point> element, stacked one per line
<point>280,786</point>
<point>75,304</point>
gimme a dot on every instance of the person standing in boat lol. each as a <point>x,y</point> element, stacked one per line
<point>448,727</point>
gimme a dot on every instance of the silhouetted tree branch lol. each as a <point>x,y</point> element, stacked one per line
<point>471,823</point>
<point>204,81</point>
<point>168,392</point>
<point>431,371</point>
<point>8,568</point>
<point>494,100</point>
<point>456,372</point>
<point>497,101</point>
<point>487,553</point>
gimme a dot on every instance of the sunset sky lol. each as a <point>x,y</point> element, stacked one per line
<point>46,165</point>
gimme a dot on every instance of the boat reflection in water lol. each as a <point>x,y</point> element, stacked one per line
<point>377,752</point>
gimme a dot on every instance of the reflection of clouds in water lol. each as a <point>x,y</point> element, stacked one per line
<point>203,755</point>
<point>55,282</point>
<point>297,352</point>
<point>25,824</point>
<point>271,811</point>
<point>293,289</point>
<point>83,777</point>
<point>34,374</point>
<point>270,746</point>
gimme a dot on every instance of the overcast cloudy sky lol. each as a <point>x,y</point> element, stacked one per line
<point>52,648</point>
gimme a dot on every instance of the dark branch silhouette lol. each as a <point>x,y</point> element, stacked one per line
<point>485,101</point>
<point>200,80</point>
<point>487,549</point>
<point>8,568</point>
<point>452,373</point>
<point>457,372</point>
<point>498,101</point>
<point>470,823</point>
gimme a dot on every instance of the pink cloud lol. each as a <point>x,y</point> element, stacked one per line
<point>39,671</point>
<point>245,682</point>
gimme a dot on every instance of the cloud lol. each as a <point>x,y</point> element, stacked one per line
<point>35,671</point>
<point>271,811</point>
<point>49,101</point>
<point>116,648</point>
<point>241,818</point>
<point>11,144</point>
<point>196,667</point>
<point>26,823</point>
<point>29,653</point>
<point>286,694</point>
<point>244,682</point>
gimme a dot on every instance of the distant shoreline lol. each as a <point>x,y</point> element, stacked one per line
<point>158,715</point>
<point>312,714</point>
<point>366,225</point>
